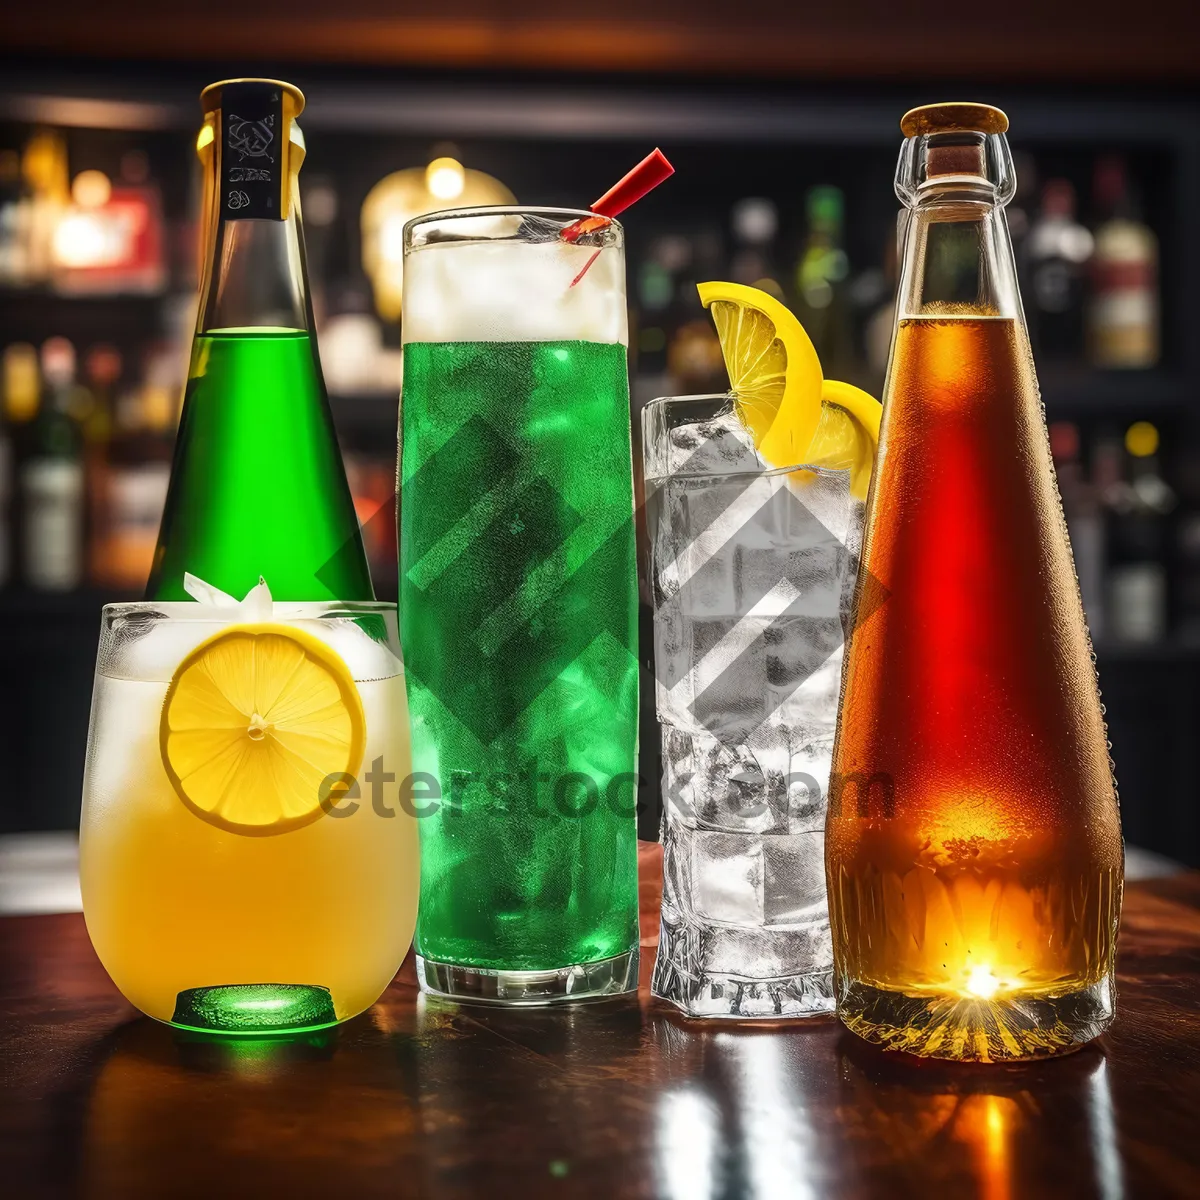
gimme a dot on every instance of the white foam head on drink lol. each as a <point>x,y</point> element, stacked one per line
<point>511,291</point>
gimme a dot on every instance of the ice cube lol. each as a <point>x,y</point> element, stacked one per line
<point>714,443</point>
<point>761,953</point>
<point>716,787</point>
<point>794,878</point>
<point>147,642</point>
<point>727,877</point>
<point>366,642</point>
<point>806,785</point>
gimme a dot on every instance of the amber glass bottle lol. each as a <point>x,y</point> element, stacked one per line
<point>973,842</point>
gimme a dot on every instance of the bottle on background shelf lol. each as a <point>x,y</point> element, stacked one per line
<point>102,369</point>
<point>1186,577</point>
<point>1085,522</point>
<point>22,387</point>
<point>15,215</point>
<point>754,222</point>
<point>694,362</point>
<point>880,317</point>
<point>352,351</point>
<point>1137,500</point>
<point>6,495</point>
<point>821,282</point>
<point>52,478</point>
<point>667,257</point>
<point>21,382</point>
<point>1123,312</point>
<point>1149,487</point>
<point>44,169</point>
<point>321,205</point>
<point>135,484</point>
<point>1019,213</point>
<point>1058,251</point>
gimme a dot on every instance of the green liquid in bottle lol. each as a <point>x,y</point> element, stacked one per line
<point>257,485</point>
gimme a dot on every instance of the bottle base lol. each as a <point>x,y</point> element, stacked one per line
<point>254,1009</point>
<point>972,1029</point>
<point>530,989</point>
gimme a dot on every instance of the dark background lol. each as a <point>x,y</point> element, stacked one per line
<point>557,101</point>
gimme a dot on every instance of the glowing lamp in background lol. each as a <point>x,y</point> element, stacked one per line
<point>86,236</point>
<point>109,239</point>
<point>1141,439</point>
<point>91,189</point>
<point>403,195</point>
<point>445,178</point>
<point>81,239</point>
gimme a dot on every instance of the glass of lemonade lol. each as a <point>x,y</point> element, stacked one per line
<point>518,602</point>
<point>248,854</point>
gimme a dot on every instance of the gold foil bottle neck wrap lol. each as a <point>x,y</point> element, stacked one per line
<point>286,153</point>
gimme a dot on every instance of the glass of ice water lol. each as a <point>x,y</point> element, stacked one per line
<point>752,571</point>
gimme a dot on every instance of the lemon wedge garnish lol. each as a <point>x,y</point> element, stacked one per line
<point>774,371</point>
<point>255,719</point>
<point>794,414</point>
<point>847,436</point>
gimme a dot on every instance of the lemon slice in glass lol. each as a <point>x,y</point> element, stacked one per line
<point>847,435</point>
<point>794,414</point>
<point>774,371</point>
<point>255,719</point>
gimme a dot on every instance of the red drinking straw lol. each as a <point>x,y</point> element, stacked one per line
<point>645,177</point>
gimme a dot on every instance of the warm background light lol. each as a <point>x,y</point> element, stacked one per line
<point>403,195</point>
<point>80,241</point>
<point>91,189</point>
<point>1141,439</point>
<point>445,178</point>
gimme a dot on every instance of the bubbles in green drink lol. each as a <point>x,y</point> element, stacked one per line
<point>518,612</point>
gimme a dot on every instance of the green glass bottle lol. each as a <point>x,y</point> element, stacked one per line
<point>257,483</point>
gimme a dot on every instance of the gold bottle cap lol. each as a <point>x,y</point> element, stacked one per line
<point>955,117</point>
<point>210,98</point>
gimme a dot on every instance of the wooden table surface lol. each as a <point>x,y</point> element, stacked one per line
<point>620,1098</point>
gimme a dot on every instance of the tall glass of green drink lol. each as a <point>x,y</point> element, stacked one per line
<point>518,602</point>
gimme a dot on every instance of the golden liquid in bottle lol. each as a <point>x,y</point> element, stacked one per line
<point>973,846</point>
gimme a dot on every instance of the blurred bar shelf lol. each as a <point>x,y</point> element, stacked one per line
<point>1075,392</point>
<point>1168,651</point>
<point>44,294</point>
<point>559,137</point>
<point>375,101</point>
<point>49,607</point>
<point>365,411</point>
